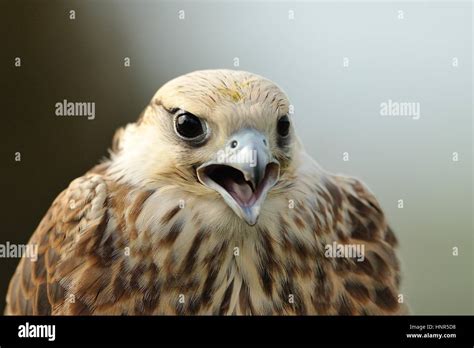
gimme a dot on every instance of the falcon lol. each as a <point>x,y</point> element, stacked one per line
<point>209,205</point>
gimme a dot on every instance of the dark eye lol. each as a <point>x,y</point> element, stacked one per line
<point>190,127</point>
<point>283,126</point>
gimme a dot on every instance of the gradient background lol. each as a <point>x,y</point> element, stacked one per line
<point>337,109</point>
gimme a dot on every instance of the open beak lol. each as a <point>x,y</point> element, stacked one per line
<point>242,173</point>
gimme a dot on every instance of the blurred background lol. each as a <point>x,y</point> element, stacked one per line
<point>337,61</point>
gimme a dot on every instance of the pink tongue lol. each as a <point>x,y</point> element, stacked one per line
<point>242,191</point>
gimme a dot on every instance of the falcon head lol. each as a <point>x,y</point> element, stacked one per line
<point>219,133</point>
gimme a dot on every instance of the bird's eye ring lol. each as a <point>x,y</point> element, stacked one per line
<point>283,126</point>
<point>190,127</point>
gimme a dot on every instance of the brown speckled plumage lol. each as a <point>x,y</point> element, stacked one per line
<point>139,234</point>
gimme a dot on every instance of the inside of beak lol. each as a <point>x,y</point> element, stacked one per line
<point>245,192</point>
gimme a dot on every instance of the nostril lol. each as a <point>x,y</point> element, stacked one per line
<point>234,144</point>
<point>265,142</point>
